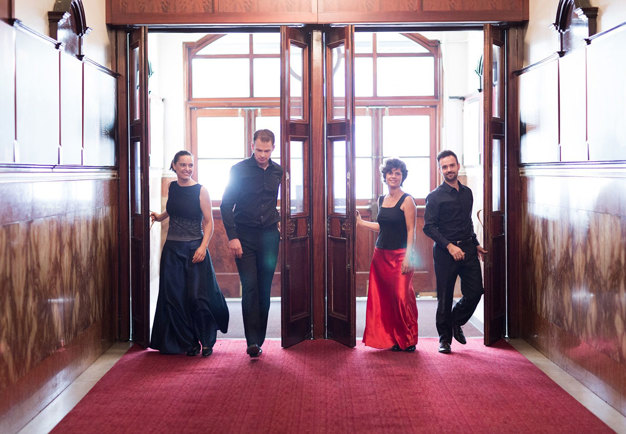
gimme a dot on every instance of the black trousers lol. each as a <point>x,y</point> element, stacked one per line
<point>446,272</point>
<point>256,270</point>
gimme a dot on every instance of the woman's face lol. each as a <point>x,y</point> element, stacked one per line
<point>393,178</point>
<point>184,167</point>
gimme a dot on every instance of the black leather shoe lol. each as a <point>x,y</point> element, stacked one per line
<point>207,351</point>
<point>410,349</point>
<point>444,347</point>
<point>396,347</point>
<point>254,350</point>
<point>457,332</point>
<point>194,351</point>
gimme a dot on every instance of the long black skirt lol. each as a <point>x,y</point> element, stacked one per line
<point>190,305</point>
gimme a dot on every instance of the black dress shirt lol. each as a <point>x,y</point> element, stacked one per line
<point>448,216</point>
<point>250,197</point>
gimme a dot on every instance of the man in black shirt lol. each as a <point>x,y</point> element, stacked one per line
<point>448,221</point>
<point>251,221</point>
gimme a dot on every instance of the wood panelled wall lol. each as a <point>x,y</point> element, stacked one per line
<point>573,213</point>
<point>59,220</point>
<point>123,12</point>
<point>6,9</point>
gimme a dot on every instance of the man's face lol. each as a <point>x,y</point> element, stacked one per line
<point>449,168</point>
<point>262,152</point>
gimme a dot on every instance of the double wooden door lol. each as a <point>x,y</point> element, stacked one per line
<point>318,205</point>
<point>317,195</point>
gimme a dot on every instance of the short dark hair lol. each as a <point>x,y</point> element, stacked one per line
<point>264,136</point>
<point>447,153</point>
<point>394,163</point>
<point>177,157</point>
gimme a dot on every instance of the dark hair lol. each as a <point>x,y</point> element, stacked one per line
<point>177,157</point>
<point>394,163</point>
<point>447,153</point>
<point>264,136</point>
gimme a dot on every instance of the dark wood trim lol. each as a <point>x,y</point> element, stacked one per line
<point>100,67</point>
<point>231,102</point>
<point>513,186</point>
<point>189,117</point>
<point>621,26</point>
<point>58,169</point>
<point>612,169</point>
<point>120,18</point>
<point>122,295</point>
<point>551,58</point>
<point>318,188</point>
<point>44,38</point>
<point>122,13</point>
<point>456,17</point>
<point>7,9</point>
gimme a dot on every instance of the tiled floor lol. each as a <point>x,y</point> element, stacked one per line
<point>51,415</point>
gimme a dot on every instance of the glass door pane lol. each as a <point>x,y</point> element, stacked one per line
<point>338,83</point>
<point>296,74</point>
<point>406,136</point>
<point>340,176</point>
<point>496,175</point>
<point>296,177</point>
<point>497,82</point>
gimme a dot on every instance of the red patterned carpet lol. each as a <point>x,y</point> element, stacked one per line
<point>323,387</point>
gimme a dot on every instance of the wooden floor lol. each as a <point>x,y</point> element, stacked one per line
<point>426,307</point>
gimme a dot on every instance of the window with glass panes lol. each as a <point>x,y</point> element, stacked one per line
<point>397,100</point>
<point>233,89</point>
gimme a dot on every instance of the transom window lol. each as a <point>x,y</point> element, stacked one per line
<point>397,89</point>
<point>233,89</point>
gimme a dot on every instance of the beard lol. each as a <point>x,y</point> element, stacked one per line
<point>451,176</point>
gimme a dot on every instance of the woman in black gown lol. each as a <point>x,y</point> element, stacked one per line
<point>190,307</point>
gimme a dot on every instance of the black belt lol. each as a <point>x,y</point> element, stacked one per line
<point>467,240</point>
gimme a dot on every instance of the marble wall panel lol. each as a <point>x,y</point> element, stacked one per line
<point>574,268</point>
<point>58,276</point>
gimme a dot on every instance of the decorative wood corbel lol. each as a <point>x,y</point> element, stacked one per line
<point>68,25</point>
<point>575,22</point>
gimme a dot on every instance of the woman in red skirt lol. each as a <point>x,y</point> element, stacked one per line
<point>391,316</point>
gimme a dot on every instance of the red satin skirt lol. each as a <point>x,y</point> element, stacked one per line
<point>391,316</point>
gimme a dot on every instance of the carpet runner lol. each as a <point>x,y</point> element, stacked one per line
<point>323,387</point>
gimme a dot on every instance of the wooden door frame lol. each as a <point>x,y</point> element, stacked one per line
<point>139,222</point>
<point>295,247</point>
<point>515,58</point>
<point>318,184</point>
<point>123,164</point>
<point>317,135</point>
<point>340,227</point>
<point>494,129</point>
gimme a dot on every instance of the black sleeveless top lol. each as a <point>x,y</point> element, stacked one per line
<point>183,207</point>
<point>392,235</point>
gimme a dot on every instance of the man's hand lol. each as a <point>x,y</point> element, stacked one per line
<point>235,247</point>
<point>481,252</point>
<point>457,253</point>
